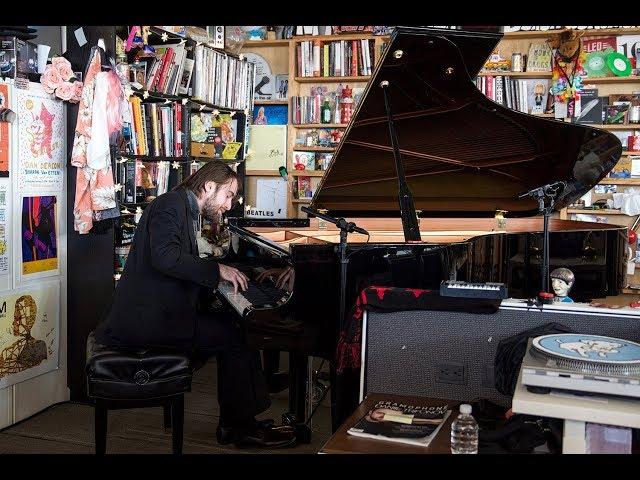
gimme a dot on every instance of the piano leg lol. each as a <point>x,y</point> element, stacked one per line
<point>297,385</point>
<point>277,381</point>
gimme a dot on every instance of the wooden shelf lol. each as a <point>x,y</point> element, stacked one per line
<point>300,200</point>
<point>314,149</point>
<point>633,291</point>
<point>629,126</point>
<point>266,43</point>
<point>588,33</point>
<point>364,78</point>
<point>602,211</point>
<point>629,79</point>
<point>307,173</point>
<point>319,125</point>
<point>516,74</point>
<point>271,102</point>
<point>620,181</point>
<point>263,173</point>
<point>630,152</point>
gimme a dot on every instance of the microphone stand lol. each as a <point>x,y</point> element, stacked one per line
<point>345,228</point>
<point>546,196</point>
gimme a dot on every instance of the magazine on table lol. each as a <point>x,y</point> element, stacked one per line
<point>399,422</point>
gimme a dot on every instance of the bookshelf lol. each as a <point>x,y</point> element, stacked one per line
<point>520,42</point>
<point>281,55</point>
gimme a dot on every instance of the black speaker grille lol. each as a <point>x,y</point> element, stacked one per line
<point>451,354</point>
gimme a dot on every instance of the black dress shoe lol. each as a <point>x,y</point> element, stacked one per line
<point>262,435</point>
<point>227,435</point>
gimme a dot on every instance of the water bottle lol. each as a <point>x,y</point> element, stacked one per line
<point>464,432</point>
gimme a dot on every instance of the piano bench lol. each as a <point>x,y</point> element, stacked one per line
<point>120,377</point>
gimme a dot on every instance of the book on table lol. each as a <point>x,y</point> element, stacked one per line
<point>402,423</point>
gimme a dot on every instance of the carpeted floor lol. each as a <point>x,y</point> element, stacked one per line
<point>68,427</point>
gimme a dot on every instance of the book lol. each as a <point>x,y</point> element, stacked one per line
<point>401,423</point>
<point>591,107</point>
<point>304,187</point>
<point>304,160</point>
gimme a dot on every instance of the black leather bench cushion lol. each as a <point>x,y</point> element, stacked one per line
<point>136,374</point>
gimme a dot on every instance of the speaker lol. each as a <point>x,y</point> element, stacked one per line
<point>451,354</point>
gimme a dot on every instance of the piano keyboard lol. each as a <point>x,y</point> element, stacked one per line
<point>450,288</point>
<point>257,294</point>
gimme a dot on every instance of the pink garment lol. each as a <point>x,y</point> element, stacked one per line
<point>95,193</point>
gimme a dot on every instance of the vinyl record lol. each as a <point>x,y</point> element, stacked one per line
<point>595,64</point>
<point>619,64</point>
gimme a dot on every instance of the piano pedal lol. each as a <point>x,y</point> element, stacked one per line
<point>303,431</point>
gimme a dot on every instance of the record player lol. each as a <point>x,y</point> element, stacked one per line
<point>587,364</point>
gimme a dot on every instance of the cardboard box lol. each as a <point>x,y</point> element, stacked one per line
<point>18,58</point>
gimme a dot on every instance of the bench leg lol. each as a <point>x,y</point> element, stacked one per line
<point>100,427</point>
<point>167,415</point>
<point>177,420</point>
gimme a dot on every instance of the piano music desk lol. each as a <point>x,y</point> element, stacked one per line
<point>342,442</point>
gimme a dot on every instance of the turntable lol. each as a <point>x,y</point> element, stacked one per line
<point>588,364</point>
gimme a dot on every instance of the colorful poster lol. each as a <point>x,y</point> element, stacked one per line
<point>5,146</point>
<point>39,234</point>
<point>29,326</point>
<point>42,140</point>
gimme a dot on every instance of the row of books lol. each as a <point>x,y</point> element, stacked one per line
<point>311,160</point>
<point>154,129</point>
<point>167,71</point>
<point>527,96</point>
<point>142,181</point>
<point>341,58</point>
<point>222,80</point>
<point>309,110</point>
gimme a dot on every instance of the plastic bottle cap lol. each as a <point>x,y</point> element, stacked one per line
<point>465,408</point>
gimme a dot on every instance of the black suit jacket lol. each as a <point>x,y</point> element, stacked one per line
<point>156,300</point>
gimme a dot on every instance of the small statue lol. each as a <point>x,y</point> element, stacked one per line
<point>562,279</point>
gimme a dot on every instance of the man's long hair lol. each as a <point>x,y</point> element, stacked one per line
<point>214,171</point>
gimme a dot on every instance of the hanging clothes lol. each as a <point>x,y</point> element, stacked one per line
<point>95,192</point>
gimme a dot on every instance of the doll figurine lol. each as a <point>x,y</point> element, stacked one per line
<point>562,279</point>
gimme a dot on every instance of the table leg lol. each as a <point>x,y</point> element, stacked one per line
<point>574,438</point>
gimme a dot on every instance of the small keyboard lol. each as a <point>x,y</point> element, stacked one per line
<point>453,288</point>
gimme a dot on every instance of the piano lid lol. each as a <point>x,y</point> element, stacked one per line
<point>463,154</point>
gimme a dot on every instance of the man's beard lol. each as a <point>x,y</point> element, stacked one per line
<point>211,211</point>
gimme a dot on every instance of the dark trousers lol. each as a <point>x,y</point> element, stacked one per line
<point>242,389</point>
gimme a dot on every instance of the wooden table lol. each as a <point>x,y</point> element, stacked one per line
<point>342,442</point>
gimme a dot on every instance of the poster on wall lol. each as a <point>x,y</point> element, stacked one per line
<point>39,235</point>
<point>5,138</point>
<point>41,139</point>
<point>29,327</point>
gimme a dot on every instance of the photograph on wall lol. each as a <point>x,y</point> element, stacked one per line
<point>270,115</point>
<point>39,235</point>
<point>29,326</point>
<point>41,138</point>
<point>5,146</point>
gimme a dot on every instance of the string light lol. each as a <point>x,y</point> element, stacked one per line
<point>117,187</point>
<point>231,114</point>
<point>184,101</point>
<point>175,165</point>
<point>167,101</point>
<point>201,107</point>
<point>241,56</point>
<point>145,94</point>
<point>164,37</point>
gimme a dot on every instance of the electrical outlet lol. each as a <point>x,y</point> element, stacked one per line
<point>450,373</point>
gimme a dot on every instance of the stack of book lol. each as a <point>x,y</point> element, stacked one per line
<point>168,71</point>
<point>222,80</point>
<point>154,129</point>
<point>341,58</point>
<point>142,181</point>
<point>527,96</point>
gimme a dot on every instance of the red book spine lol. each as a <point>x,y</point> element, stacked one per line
<point>165,69</point>
<point>354,58</point>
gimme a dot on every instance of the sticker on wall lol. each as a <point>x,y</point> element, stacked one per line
<point>39,235</point>
<point>4,231</point>
<point>41,140</point>
<point>29,326</point>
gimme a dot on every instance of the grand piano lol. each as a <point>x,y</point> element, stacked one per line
<point>424,139</point>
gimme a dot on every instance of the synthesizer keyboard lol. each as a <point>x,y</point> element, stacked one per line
<point>453,288</point>
<point>257,294</point>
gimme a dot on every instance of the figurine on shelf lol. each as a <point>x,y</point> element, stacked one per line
<point>346,103</point>
<point>562,280</point>
<point>568,58</point>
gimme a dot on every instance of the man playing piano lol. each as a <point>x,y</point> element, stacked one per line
<point>157,300</point>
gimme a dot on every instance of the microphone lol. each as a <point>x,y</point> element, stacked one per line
<point>549,189</point>
<point>350,227</point>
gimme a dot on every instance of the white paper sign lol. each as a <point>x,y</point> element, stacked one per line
<point>271,199</point>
